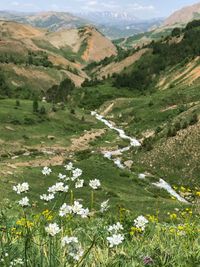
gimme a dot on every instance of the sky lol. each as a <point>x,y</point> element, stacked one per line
<point>139,8</point>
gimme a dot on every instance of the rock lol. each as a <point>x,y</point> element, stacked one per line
<point>12,166</point>
<point>9,173</point>
<point>128,163</point>
<point>9,128</point>
<point>51,137</point>
<point>27,154</point>
<point>142,176</point>
<point>15,157</point>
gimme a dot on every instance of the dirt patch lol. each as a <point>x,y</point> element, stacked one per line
<point>78,144</point>
<point>98,46</point>
<point>108,109</point>
<point>169,108</point>
<point>30,73</point>
<point>65,38</point>
<point>78,80</point>
<point>117,67</point>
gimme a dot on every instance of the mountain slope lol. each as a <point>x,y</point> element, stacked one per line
<point>89,43</point>
<point>117,67</point>
<point>113,25</point>
<point>184,15</point>
<point>49,20</point>
<point>52,56</point>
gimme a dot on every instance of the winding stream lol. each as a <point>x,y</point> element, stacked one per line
<point>133,143</point>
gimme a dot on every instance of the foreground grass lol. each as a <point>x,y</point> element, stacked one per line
<point>168,241</point>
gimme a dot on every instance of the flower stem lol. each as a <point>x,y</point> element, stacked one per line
<point>71,197</point>
<point>92,200</point>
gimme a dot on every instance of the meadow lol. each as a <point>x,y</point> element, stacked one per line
<point>125,221</point>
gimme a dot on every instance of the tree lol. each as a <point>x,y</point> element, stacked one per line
<point>42,110</point>
<point>60,93</point>
<point>176,32</point>
<point>17,103</point>
<point>4,89</point>
<point>35,105</point>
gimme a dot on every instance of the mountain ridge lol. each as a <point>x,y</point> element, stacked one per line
<point>183,15</point>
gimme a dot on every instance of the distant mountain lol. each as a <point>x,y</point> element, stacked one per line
<point>109,18</point>
<point>129,29</point>
<point>119,25</point>
<point>184,15</point>
<point>111,24</point>
<point>51,20</point>
<point>36,59</point>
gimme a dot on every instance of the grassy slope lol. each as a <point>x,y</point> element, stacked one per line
<point>162,109</point>
<point>116,183</point>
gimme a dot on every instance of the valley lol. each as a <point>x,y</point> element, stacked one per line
<point>100,140</point>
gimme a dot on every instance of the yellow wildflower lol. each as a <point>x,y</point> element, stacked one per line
<point>24,222</point>
<point>183,189</point>
<point>172,230</point>
<point>173,216</point>
<point>152,218</point>
<point>135,230</point>
<point>48,215</point>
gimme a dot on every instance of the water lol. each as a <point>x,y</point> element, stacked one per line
<point>133,143</point>
<point>164,185</point>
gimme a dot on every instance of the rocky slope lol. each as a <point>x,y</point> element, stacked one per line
<point>65,53</point>
<point>184,15</point>
<point>51,20</point>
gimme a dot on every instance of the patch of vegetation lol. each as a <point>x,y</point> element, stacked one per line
<point>164,55</point>
<point>60,93</point>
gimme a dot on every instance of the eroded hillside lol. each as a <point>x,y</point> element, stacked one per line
<point>35,58</point>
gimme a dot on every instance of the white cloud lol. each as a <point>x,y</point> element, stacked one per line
<point>15,3</point>
<point>137,6</point>
<point>96,5</point>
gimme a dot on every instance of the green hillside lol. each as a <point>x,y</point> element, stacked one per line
<point>104,153</point>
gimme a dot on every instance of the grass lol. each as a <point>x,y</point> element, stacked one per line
<point>140,114</point>
<point>168,239</point>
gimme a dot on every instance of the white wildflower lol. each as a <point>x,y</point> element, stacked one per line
<point>76,173</point>
<point>115,240</point>
<point>77,254</point>
<point>69,166</point>
<point>77,207</point>
<point>16,262</point>
<point>84,213</point>
<point>46,197</point>
<point>46,171</point>
<point>52,229</point>
<point>24,202</point>
<point>21,188</point>
<point>94,184</point>
<point>68,240</point>
<point>79,183</point>
<point>142,176</point>
<point>65,209</point>
<point>58,187</point>
<point>74,249</point>
<point>140,222</point>
<point>104,206</point>
<point>62,176</point>
<point>115,228</point>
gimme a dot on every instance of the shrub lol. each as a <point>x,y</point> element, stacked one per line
<point>35,106</point>
<point>17,104</point>
<point>42,110</point>
<point>171,132</point>
<point>193,119</point>
<point>148,144</point>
